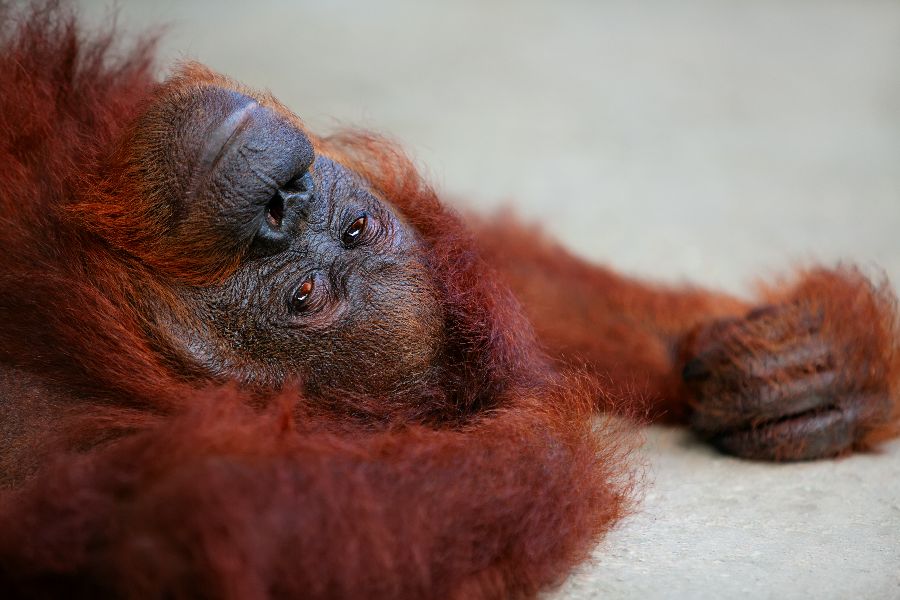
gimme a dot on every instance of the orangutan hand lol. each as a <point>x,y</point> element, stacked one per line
<point>813,375</point>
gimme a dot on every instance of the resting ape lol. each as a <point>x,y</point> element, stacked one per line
<point>242,360</point>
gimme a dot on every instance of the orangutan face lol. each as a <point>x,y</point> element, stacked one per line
<point>316,277</point>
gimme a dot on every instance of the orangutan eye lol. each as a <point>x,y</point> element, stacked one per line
<point>301,298</point>
<point>354,233</point>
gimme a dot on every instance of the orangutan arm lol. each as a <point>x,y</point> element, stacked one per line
<point>812,370</point>
<point>230,502</point>
<point>627,331</point>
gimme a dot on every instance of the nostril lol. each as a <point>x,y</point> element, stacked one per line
<point>302,185</point>
<point>275,211</point>
<point>695,370</point>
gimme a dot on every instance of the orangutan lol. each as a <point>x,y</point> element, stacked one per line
<point>243,360</point>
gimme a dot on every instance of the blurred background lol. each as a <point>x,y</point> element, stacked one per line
<point>709,140</point>
<point>712,141</point>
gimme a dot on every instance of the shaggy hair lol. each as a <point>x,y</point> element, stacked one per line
<point>122,475</point>
<point>144,483</point>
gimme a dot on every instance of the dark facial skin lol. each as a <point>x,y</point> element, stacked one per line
<point>330,285</point>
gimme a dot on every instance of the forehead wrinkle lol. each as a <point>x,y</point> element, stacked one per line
<point>217,143</point>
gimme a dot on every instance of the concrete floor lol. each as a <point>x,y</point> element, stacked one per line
<point>705,140</point>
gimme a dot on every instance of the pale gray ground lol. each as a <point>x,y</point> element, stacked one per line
<point>705,140</point>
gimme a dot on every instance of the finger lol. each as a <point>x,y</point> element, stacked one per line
<point>743,403</point>
<point>805,437</point>
<point>767,330</point>
<point>817,433</point>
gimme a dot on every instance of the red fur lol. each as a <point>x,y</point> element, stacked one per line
<point>125,478</point>
<point>188,492</point>
<point>225,501</point>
